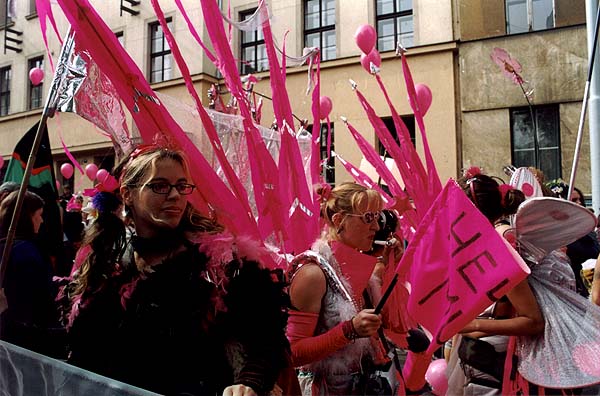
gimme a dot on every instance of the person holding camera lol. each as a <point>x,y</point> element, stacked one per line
<point>332,334</point>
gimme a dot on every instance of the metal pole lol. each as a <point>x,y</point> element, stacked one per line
<point>592,90</point>
<point>49,108</point>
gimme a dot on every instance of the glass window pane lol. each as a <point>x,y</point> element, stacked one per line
<point>385,28</point>
<point>385,7</point>
<point>543,14</point>
<point>405,30</point>
<point>516,16</point>
<point>311,21</point>
<point>247,37</point>
<point>522,131</point>
<point>386,44</point>
<point>550,163</point>
<point>249,55</point>
<point>523,158</point>
<point>312,40</point>
<point>547,127</point>
<point>328,17</point>
<point>312,6</point>
<point>157,45</point>
<point>328,53</point>
<point>329,38</point>
<point>404,5</point>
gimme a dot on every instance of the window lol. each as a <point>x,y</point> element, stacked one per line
<point>254,53</point>
<point>328,171</point>
<point>160,54</point>
<point>35,91</point>
<point>409,121</point>
<point>394,24</point>
<point>5,77</point>
<point>120,37</point>
<point>3,17</point>
<point>32,7</point>
<point>529,15</point>
<point>546,156</point>
<point>319,26</point>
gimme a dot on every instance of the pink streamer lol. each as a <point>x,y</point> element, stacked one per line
<point>150,116</point>
<point>292,179</point>
<point>373,157</point>
<point>267,191</point>
<point>363,179</point>
<point>234,181</point>
<point>434,180</point>
<point>315,152</point>
<point>64,146</point>
<point>194,32</point>
<point>44,10</point>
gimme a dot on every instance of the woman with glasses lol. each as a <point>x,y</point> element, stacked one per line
<point>329,330</point>
<point>172,308</point>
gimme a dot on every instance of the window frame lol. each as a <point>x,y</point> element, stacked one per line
<point>5,93</point>
<point>164,53</point>
<point>537,155</point>
<point>321,29</point>
<point>328,170</point>
<point>37,61</point>
<point>395,16</point>
<point>256,43</point>
<point>529,16</point>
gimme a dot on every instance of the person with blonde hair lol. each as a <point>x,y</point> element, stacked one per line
<point>329,329</point>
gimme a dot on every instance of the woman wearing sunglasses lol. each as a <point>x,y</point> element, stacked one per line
<point>155,308</point>
<point>328,328</point>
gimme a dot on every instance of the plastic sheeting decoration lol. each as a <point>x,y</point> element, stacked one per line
<point>26,373</point>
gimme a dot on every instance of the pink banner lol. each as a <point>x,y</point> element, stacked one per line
<point>458,265</point>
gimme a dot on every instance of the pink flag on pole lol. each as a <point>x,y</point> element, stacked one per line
<point>458,265</point>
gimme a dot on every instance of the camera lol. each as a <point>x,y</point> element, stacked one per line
<point>388,222</point>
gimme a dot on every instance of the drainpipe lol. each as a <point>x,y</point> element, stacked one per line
<point>591,9</point>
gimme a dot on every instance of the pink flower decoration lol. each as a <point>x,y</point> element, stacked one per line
<point>473,171</point>
<point>509,66</point>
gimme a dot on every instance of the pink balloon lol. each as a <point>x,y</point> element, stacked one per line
<point>326,105</point>
<point>365,38</point>
<point>423,97</point>
<point>36,75</point>
<point>101,175</point>
<point>1,162</point>
<point>66,170</point>
<point>373,57</point>
<point>91,170</point>
<point>436,376</point>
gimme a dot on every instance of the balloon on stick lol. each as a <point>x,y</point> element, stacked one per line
<point>101,175</point>
<point>66,170</point>
<point>372,57</point>
<point>365,38</point>
<point>91,171</point>
<point>423,97</point>
<point>36,76</point>
<point>326,105</point>
<point>436,376</point>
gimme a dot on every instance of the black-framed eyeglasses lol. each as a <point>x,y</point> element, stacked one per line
<point>367,217</point>
<point>165,188</point>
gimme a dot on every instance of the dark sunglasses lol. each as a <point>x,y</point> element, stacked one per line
<point>165,188</point>
<point>367,217</point>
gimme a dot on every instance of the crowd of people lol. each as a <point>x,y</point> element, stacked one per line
<point>166,299</point>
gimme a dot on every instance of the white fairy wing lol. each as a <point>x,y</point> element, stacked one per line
<point>568,354</point>
<point>551,223</point>
<point>525,181</point>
